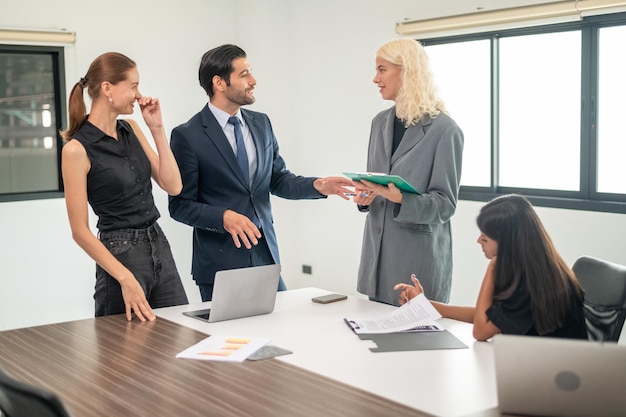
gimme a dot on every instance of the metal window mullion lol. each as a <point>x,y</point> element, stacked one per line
<point>588,139</point>
<point>60,115</point>
<point>495,113</point>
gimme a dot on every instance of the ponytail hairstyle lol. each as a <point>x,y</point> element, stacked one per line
<point>112,67</point>
<point>526,252</point>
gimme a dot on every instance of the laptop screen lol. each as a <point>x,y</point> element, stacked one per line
<point>241,292</point>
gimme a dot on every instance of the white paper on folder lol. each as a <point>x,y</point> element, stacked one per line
<point>224,348</point>
<point>417,312</point>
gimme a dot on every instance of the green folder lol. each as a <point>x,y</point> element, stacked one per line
<point>382,179</point>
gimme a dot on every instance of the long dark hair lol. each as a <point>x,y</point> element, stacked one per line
<point>525,251</point>
<point>218,61</point>
<point>112,67</point>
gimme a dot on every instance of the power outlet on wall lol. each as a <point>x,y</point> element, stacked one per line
<point>307,269</point>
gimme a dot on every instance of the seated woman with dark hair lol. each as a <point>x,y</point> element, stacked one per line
<point>528,289</point>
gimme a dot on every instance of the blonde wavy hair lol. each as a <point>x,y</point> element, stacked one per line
<point>418,95</point>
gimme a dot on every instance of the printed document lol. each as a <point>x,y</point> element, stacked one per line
<point>224,348</point>
<point>416,315</point>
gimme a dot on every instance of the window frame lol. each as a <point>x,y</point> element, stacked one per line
<point>587,198</point>
<point>57,53</point>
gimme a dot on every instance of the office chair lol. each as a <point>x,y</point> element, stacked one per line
<point>18,399</point>
<point>605,297</point>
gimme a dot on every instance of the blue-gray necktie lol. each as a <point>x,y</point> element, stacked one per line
<point>242,156</point>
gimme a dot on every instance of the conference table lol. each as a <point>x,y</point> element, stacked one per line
<point>108,366</point>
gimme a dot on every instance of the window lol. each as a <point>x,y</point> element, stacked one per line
<point>611,93</point>
<point>540,109</point>
<point>469,91</point>
<point>32,103</point>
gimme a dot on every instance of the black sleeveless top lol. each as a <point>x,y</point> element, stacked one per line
<point>514,316</point>
<point>119,186</point>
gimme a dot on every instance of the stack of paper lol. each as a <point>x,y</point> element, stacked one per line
<point>416,315</point>
<point>224,348</point>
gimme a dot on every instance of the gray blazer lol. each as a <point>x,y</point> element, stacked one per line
<point>413,237</point>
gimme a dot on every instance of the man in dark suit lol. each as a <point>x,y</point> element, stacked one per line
<point>228,207</point>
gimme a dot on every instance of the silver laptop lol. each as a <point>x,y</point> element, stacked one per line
<point>543,376</point>
<point>241,292</point>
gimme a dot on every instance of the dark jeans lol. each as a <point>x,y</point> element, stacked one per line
<point>259,255</point>
<point>147,254</point>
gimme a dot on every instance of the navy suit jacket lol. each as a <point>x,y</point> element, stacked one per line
<point>213,183</point>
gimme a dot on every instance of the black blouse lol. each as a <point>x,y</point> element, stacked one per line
<point>398,133</point>
<point>513,316</point>
<point>119,186</point>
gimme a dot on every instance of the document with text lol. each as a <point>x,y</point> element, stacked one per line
<point>224,348</point>
<point>416,315</point>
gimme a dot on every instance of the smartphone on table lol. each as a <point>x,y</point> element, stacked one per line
<point>329,298</point>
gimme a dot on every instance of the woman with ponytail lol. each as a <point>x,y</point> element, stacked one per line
<point>108,164</point>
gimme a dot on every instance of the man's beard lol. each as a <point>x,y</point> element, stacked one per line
<point>240,97</point>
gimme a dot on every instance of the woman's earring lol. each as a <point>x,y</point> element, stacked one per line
<point>110,99</point>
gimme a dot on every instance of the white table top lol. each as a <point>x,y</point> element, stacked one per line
<point>447,382</point>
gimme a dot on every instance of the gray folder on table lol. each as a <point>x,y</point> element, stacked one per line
<point>406,341</point>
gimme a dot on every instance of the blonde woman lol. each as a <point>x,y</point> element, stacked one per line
<point>408,233</point>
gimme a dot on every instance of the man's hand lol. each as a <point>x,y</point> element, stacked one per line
<point>334,185</point>
<point>241,229</point>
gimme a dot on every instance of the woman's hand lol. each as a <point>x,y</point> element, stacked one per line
<point>135,300</point>
<point>363,195</point>
<point>151,111</point>
<point>409,291</point>
<point>390,191</point>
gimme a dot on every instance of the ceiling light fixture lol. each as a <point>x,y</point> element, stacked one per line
<point>549,13</point>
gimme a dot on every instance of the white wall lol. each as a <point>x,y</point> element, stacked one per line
<point>314,62</point>
<point>44,275</point>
